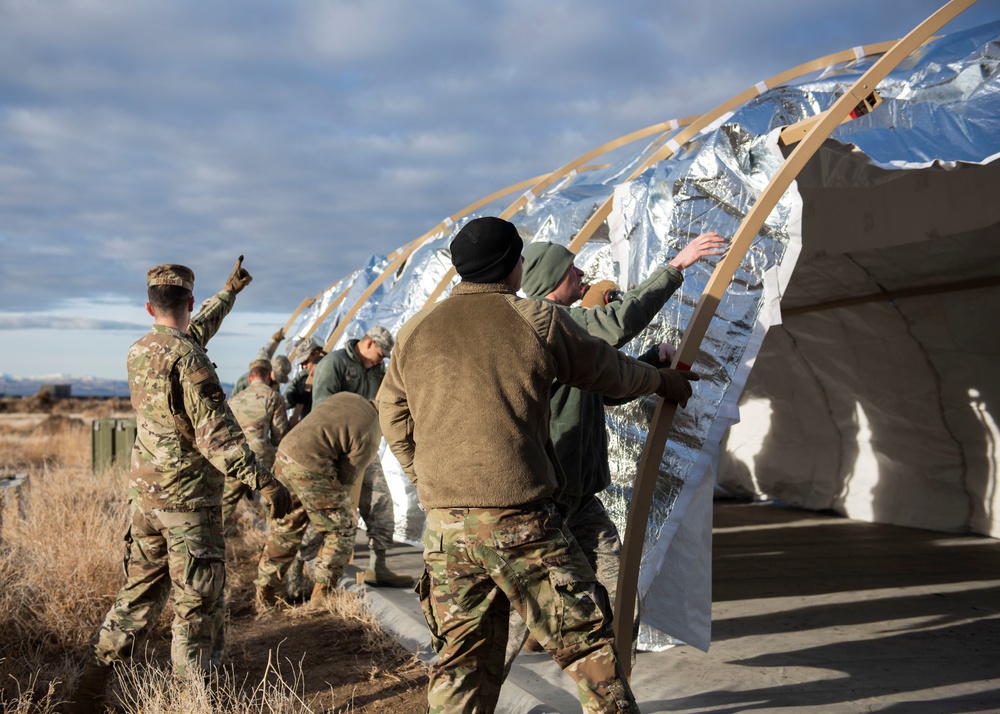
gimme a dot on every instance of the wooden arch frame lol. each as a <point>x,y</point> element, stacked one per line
<point>892,54</point>
<point>687,352</point>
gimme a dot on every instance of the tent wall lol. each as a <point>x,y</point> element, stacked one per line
<point>885,410</point>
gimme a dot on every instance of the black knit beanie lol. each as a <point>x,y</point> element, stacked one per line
<point>486,250</point>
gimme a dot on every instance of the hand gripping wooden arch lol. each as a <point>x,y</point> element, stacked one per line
<point>687,353</point>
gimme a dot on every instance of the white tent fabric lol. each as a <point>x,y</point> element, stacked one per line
<point>884,410</point>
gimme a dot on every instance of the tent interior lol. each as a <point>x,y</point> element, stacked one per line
<point>877,396</point>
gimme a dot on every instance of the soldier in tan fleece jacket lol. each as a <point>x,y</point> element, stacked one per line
<point>319,460</point>
<point>465,409</point>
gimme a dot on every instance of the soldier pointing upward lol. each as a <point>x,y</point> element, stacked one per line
<point>187,441</point>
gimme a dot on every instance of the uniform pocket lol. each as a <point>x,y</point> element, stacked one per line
<point>578,602</point>
<point>423,590</point>
<point>204,569</point>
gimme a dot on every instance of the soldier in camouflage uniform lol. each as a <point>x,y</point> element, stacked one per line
<point>577,425</point>
<point>358,368</point>
<point>319,460</point>
<point>298,394</point>
<point>465,408</point>
<point>187,440</point>
<point>261,414</point>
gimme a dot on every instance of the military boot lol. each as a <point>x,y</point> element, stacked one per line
<point>378,573</point>
<point>321,594</point>
<point>89,694</point>
<point>265,598</point>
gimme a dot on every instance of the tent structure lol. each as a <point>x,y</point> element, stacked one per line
<point>872,393</point>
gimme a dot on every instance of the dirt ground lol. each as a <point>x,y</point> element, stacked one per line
<point>345,664</point>
<point>337,659</point>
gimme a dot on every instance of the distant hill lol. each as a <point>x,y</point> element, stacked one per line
<point>81,385</point>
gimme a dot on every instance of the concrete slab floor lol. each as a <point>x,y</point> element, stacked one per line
<point>812,613</point>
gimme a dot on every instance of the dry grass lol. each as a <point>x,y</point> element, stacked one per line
<point>154,690</point>
<point>44,441</point>
<point>61,566</point>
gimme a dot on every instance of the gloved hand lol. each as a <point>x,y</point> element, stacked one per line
<point>278,496</point>
<point>238,279</point>
<point>279,335</point>
<point>675,385</point>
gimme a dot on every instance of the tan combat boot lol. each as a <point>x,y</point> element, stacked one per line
<point>89,694</point>
<point>265,599</point>
<point>321,594</point>
<point>378,573</point>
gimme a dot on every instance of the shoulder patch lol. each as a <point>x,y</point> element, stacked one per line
<point>200,375</point>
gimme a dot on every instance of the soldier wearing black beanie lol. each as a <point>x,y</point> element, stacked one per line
<point>486,250</point>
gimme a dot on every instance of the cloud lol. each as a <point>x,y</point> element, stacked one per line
<point>55,322</point>
<point>308,136</point>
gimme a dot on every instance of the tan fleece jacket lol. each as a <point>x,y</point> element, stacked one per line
<point>465,403</point>
<point>340,437</point>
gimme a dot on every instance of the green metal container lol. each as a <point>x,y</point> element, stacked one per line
<point>111,443</point>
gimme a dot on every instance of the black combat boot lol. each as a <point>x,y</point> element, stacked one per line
<point>89,694</point>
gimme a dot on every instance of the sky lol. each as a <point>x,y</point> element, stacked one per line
<point>308,136</point>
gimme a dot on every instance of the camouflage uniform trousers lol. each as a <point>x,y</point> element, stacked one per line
<point>180,555</point>
<point>375,507</point>
<point>478,562</point>
<point>319,499</point>
<point>598,538</point>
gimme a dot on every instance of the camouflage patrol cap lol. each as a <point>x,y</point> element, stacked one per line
<point>381,337</point>
<point>260,364</point>
<point>170,274</point>
<point>305,348</point>
<point>280,368</point>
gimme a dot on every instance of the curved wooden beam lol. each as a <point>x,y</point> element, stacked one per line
<point>543,182</point>
<point>306,302</point>
<point>565,170</point>
<point>687,353</point>
<point>601,213</point>
<point>329,308</point>
<point>402,254</point>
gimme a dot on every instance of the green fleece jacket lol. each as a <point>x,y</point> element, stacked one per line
<point>342,371</point>
<point>465,403</point>
<point>578,428</point>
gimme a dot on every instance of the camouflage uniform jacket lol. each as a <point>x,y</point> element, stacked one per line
<point>187,437</point>
<point>340,437</point>
<point>470,423</point>
<point>577,426</point>
<point>342,371</point>
<point>261,413</point>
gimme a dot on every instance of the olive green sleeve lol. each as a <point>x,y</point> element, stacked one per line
<point>620,321</point>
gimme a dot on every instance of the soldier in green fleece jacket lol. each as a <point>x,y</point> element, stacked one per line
<point>465,408</point>
<point>577,425</point>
